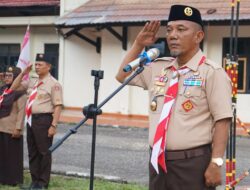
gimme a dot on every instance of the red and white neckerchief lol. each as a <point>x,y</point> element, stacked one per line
<point>5,92</point>
<point>30,101</point>
<point>158,150</point>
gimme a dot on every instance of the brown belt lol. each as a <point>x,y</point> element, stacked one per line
<point>186,154</point>
<point>39,115</point>
<point>189,153</point>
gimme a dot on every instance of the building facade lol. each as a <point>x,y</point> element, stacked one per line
<point>90,35</point>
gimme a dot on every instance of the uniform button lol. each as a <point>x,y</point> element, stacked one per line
<point>196,73</point>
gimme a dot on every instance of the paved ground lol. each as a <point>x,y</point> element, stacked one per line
<point>121,153</point>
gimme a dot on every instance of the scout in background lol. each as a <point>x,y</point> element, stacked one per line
<point>12,111</point>
<point>43,110</point>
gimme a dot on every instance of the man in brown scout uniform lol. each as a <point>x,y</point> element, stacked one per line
<point>42,114</point>
<point>190,105</point>
<point>12,111</point>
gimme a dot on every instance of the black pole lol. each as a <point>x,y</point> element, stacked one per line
<point>232,29</point>
<point>236,30</point>
<point>98,75</point>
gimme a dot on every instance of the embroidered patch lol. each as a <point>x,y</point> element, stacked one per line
<point>187,105</point>
<point>161,79</point>
<point>57,88</point>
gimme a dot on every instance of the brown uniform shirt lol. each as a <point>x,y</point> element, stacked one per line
<point>196,108</point>
<point>49,95</point>
<point>16,118</point>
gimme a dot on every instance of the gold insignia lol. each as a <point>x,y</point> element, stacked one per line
<point>41,55</point>
<point>188,11</point>
<point>153,105</point>
<point>187,106</point>
<point>10,69</point>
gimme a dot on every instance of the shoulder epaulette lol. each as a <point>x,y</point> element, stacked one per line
<point>167,61</point>
<point>170,59</point>
<point>213,64</point>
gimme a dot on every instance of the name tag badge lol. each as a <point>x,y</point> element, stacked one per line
<point>193,82</point>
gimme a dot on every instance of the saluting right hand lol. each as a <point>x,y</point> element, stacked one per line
<point>147,35</point>
<point>27,69</point>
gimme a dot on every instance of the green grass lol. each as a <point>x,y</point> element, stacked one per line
<point>58,182</point>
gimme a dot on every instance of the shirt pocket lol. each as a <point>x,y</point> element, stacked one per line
<point>189,99</point>
<point>42,95</point>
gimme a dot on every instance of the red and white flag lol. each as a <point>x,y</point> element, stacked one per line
<point>24,57</point>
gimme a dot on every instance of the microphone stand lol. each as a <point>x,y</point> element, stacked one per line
<point>91,111</point>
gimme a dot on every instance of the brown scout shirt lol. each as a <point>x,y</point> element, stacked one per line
<point>49,95</point>
<point>196,108</point>
<point>16,118</point>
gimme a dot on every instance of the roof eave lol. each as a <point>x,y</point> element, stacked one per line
<point>142,22</point>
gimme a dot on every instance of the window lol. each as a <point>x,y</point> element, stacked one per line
<point>9,54</point>
<point>52,51</point>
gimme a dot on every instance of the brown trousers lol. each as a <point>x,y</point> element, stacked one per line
<point>11,159</point>
<point>38,145</point>
<point>182,173</point>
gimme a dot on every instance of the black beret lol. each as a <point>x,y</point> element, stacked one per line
<point>184,12</point>
<point>42,57</point>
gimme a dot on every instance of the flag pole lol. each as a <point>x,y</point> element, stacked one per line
<point>235,89</point>
<point>228,70</point>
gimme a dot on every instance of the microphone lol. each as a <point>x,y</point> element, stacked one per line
<point>144,58</point>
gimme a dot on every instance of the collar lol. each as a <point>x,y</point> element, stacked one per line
<point>193,63</point>
<point>45,79</point>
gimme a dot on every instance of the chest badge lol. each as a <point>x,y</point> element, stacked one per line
<point>187,105</point>
<point>153,105</point>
